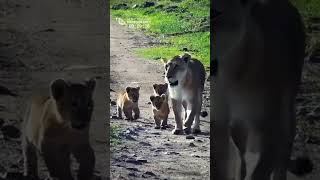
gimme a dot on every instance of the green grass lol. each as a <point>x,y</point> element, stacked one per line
<point>183,27</point>
<point>308,8</point>
<point>114,131</point>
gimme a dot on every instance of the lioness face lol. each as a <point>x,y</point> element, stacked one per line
<point>157,101</point>
<point>176,69</point>
<point>74,101</point>
<point>160,88</point>
<point>133,93</point>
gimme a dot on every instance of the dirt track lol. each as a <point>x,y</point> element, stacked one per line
<point>41,40</point>
<point>145,152</point>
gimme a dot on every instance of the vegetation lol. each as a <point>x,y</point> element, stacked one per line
<point>177,25</point>
<point>114,131</point>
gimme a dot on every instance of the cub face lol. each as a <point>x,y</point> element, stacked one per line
<point>160,89</point>
<point>176,69</point>
<point>74,101</point>
<point>157,101</point>
<point>133,93</point>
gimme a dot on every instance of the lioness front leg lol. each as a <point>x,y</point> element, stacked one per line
<point>85,157</point>
<point>191,112</point>
<point>136,111</point>
<point>196,125</point>
<point>176,106</point>
<point>57,159</point>
<point>30,160</point>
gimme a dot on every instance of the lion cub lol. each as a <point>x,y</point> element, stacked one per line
<point>57,125</point>
<point>160,110</point>
<point>127,102</point>
<point>159,89</point>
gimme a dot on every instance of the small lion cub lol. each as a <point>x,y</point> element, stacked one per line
<point>160,110</point>
<point>127,102</point>
<point>159,89</point>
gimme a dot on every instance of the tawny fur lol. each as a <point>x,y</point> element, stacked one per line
<point>185,77</point>
<point>50,129</point>
<point>127,103</point>
<point>160,109</point>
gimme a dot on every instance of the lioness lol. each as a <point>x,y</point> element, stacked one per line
<point>160,109</point>
<point>56,125</point>
<point>186,77</point>
<point>127,102</point>
<point>255,89</point>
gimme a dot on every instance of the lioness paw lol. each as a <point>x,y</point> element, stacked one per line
<point>177,132</point>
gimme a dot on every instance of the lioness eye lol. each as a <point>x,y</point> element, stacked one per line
<point>166,67</point>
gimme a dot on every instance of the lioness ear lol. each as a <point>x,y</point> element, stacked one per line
<point>91,83</point>
<point>58,88</point>
<point>164,60</point>
<point>152,98</point>
<point>128,89</point>
<point>186,57</point>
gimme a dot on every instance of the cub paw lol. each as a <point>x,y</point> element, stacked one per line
<point>187,130</point>
<point>196,131</point>
<point>157,127</point>
<point>177,132</point>
<point>163,127</point>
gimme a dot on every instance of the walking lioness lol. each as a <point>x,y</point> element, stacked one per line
<point>57,125</point>
<point>186,77</point>
<point>255,88</point>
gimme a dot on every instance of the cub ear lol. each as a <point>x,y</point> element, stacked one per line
<point>91,83</point>
<point>163,96</point>
<point>58,88</point>
<point>155,86</point>
<point>152,98</point>
<point>186,57</point>
<point>138,88</point>
<point>128,89</point>
<point>164,60</point>
<point>166,85</point>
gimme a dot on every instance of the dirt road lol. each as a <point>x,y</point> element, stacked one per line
<point>41,40</point>
<point>145,152</point>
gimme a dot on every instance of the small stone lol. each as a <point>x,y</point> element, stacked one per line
<point>119,6</point>
<point>148,174</point>
<point>132,174</point>
<point>114,117</point>
<point>113,103</point>
<point>194,155</point>
<point>190,137</point>
<point>204,113</point>
<point>142,160</point>
<point>148,4</point>
<point>132,169</point>
<point>199,140</point>
<point>133,161</point>
<point>192,145</point>
<point>11,131</point>
<point>145,144</point>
